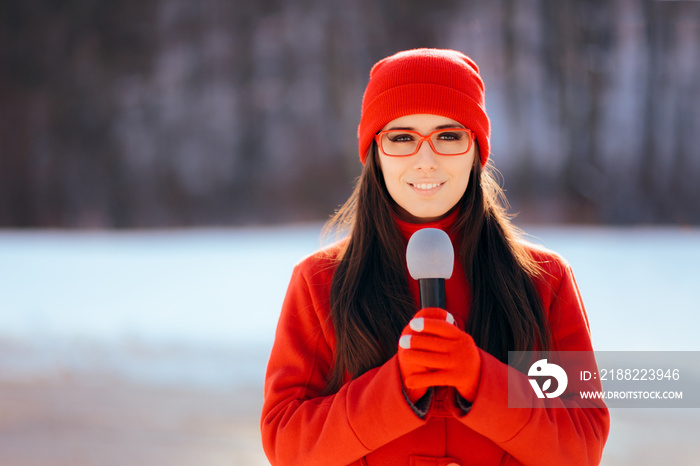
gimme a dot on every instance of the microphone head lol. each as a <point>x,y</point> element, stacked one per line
<point>430,254</point>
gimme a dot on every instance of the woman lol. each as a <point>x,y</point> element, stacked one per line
<point>358,374</point>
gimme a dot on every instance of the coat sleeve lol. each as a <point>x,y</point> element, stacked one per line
<point>564,430</point>
<point>301,425</point>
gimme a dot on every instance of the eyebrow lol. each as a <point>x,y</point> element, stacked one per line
<point>410,128</point>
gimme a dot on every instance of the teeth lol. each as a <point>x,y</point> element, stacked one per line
<point>426,186</point>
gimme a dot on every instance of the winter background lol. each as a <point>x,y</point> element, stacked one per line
<point>165,163</point>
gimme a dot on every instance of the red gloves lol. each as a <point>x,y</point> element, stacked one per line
<point>434,352</point>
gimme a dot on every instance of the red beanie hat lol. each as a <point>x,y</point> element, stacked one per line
<point>439,82</point>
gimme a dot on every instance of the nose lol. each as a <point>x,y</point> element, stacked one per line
<point>426,159</point>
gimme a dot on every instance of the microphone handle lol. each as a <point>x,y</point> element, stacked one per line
<point>432,292</point>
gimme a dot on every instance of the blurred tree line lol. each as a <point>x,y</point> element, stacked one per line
<point>154,113</point>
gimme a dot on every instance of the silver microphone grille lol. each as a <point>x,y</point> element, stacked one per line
<point>430,254</point>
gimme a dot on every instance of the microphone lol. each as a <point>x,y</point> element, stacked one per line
<point>430,259</point>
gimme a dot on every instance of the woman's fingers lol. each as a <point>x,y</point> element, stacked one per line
<point>427,342</point>
<point>431,325</point>
<point>436,327</point>
<point>435,313</point>
<point>428,360</point>
<point>433,351</point>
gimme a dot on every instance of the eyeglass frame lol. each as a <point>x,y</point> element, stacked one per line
<point>421,139</point>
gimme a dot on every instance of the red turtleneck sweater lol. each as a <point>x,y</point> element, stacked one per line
<point>369,422</point>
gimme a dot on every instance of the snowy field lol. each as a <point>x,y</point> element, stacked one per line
<point>197,309</point>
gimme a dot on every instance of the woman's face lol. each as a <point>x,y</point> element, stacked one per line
<point>426,185</point>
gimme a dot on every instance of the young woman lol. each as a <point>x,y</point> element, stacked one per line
<point>358,374</point>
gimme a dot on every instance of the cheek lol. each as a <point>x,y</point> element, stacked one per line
<point>464,178</point>
<point>391,171</point>
<point>463,171</point>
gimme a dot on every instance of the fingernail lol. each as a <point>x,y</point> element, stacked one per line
<point>417,324</point>
<point>405,342</point>
<point>450,318</point>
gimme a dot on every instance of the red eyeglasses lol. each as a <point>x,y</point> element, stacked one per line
<point>403,143</point>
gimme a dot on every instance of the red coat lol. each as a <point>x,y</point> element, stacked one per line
<point>368,421</point>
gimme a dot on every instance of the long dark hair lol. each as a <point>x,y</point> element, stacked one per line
<point>369,297</point>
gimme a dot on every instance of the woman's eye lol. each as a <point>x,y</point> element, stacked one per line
<point>402,138</point>
<point>450,136</point>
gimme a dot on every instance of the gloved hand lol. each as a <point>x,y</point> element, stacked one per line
<point>434,352</point>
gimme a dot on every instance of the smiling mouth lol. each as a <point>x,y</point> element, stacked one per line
<point>426,186</point>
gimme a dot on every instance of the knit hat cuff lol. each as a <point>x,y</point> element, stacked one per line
<point>420,98</point>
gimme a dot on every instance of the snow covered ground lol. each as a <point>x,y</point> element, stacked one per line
<point>198,307</point>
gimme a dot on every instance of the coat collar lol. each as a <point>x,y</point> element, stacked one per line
<point>446,224</point>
